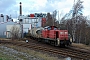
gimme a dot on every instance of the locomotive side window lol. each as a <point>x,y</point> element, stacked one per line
<point>61,33</point>
<point>66,32</point>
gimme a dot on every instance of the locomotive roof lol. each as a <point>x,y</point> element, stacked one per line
<point>50,27</point>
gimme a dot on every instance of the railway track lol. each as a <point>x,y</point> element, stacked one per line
<point>67,52</point>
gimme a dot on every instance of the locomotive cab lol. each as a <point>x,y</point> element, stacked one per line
<point>61,37</point>
<point>56,37</point>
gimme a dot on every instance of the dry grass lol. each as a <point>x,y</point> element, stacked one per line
<point>81,46</point>
<point>4,39</point>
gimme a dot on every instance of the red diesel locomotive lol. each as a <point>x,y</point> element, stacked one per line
<point>51,35</point>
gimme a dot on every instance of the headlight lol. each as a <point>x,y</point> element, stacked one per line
<point>70,39</point>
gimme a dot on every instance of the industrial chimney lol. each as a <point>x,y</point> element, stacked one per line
<point>20,9</point>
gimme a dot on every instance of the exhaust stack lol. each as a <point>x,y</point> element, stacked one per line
<point>20,9</point>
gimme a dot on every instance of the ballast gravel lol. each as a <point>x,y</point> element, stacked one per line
<point>16,54</point>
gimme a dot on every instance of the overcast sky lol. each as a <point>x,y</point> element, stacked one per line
<point>11,7</point>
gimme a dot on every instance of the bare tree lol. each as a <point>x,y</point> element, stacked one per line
<point>15,32</point>
<point>74,17</point>
<point>77,11</point>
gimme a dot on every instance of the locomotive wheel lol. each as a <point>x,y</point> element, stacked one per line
<point>38,40</point>
<point>52,42</point>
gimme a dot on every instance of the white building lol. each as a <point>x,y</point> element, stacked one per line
<point>3,28</point>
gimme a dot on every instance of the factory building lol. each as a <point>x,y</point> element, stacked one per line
<point>25,23</point>
<point>4,21</point>
<point>3,29</point>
